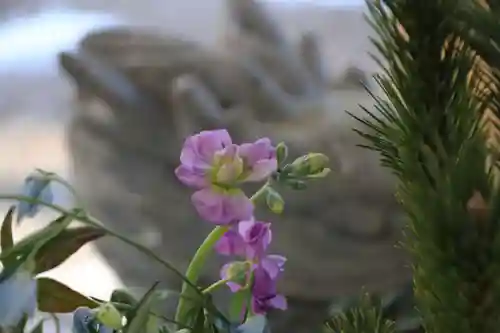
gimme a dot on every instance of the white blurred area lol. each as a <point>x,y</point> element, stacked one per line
<point>34,99</point>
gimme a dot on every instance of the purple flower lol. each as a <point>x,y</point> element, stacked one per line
<point>265,276</point>
<point>264,292</point>
<point>259,158</point>
<point>197,157</point>
<point>248,238</point>
<point>212,164</point>
<point>17,298</point>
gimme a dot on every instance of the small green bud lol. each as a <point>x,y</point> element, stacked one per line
<point>274,201</point>
<point>237,272</point>
<point>310,165</point>
<point>109,316</point>
<point>281,152</point>
<point>322,174</point>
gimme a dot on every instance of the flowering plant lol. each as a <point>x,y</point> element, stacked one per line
<point>215,168</point>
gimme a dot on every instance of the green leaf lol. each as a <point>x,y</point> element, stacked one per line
<point>124,297</point>
<point>199,325</point>
<point>141,314</point>
<point>25,245</point>
<point>55,297</point>
<point>65,244</point>
<point>238,302</point>
<point>6,238</point>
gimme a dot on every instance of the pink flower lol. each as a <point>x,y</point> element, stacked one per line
<point>210,158</point>
<point>197,156</point>
<point>249,238</point>
<point>259,158</point>
<point>211,163</point>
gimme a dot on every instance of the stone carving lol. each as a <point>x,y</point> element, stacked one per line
<point>139,94</point>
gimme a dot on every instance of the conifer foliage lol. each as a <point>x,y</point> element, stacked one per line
<point>429,131</point>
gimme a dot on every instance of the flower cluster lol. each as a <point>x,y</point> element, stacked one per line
<point>213,165</point>
<point>216,167</point>
<point>250,240</point>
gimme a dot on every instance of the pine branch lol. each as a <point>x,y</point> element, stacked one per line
<point>365,317</point>
<point>428,130</point>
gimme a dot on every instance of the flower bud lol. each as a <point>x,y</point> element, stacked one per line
<point>311,165</point>
<point>37,187</point>
<point>109,316</point>
<point>274,201</point>
<point>281,153</point>
<point>237,271</point>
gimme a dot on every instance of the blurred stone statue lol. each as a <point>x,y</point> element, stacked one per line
<point>140,94</point>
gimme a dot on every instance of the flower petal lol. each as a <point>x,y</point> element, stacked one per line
<point>262,170</point>
<point>209,205</point>
<point>17,298</point>
<point>200,148</point>
<point>260,158</point>
<point>258,150</point>
<point>222,207</point>
<point>278,302</point>
<point>230,244</point>
<point>191,177</point>
<point>256,235</point>
<point>273,264</point>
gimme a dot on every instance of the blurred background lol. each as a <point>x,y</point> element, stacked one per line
<point>35,98</point>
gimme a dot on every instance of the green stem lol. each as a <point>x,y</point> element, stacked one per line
<point>90,221</point>
<point>214,286</point>
<point>200,257</point>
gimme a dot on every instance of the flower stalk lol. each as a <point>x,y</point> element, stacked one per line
<point>200,257</point>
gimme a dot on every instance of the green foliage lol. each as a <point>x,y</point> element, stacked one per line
<point>428,132</point>
<point>396,307</point>
<point>55,297</point>
<point>364,317</point>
